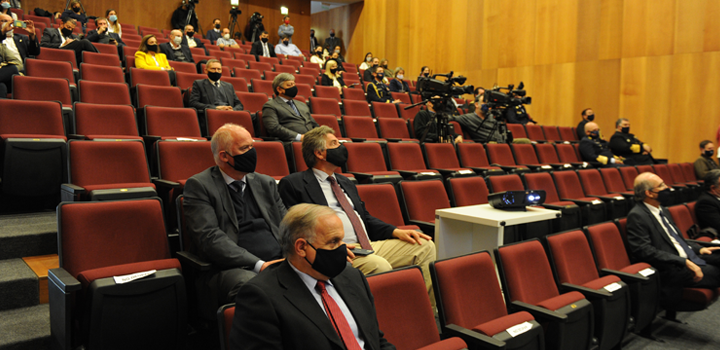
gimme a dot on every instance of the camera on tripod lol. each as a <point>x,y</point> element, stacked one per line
<point>441,92</point>
<point>234,12</point>
<point>498,100</point>
<point>190,3</point>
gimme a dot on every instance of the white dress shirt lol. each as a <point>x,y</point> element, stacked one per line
<point>656,213</point>
<point>350,236</point>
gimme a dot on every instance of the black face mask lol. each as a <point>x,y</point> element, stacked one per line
<point>426,75</point>
<point>709,153</point>
<point>217,26</point>
<point>312,35</point>
<point>664,197</point>
<point>286,43</point>
<point>76,9</point>
<point>152,48</point>
<point>319,53</point>
<point>264,40</point>
<point>332,35</point>
<point>337,156</point>
<point>329,262</point>
<point>625,130</point>
<point>594,134</point>
<point>333,71</point>
<point>380,76</point>
<point>214,76</point>
<point>245,162</point>
<point>591,117</point>
<point>190,34</point>
<point>291,92</point>
<point>66,32</point>
<point>375,65</point>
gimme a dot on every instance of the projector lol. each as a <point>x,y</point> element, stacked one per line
<point>516,200</point>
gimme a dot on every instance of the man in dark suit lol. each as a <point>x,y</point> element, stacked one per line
<point>213,93</point>
<point>63,38</point>
<point>262,48</point>
<point>587,116</point>
<point>101,34</point>
<point>190,41</point>
<point>214,33</point>
<point>232,214</point>
<point>393,247</point>
<point>654,238</point>
<point>284,117</point>
<point>595,149</point>
<point>331,41</point>
<point>175,50</point>
<point>707,208</point>
<point>369,74</point>
<point>17,49</point>
<point>626,145</point>
<point>312,300</point>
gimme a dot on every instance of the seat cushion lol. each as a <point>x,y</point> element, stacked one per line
<point>561,300</point>
<point>601,282</point>
<point>447,344</point>
<point>699,295</point>
<point>88,276</point>
<point>635,268</point>
<point>498,325</point>
<point>563,203</point>
<point>123,137</point>
<point>122,185</point>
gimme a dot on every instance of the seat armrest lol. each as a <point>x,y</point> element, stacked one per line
<point>577,201</point>
<point>426,227</point>
<point>64,280</point>
<point>150,140</point>
<point>539,313</point>
<point>624,276</point>
<point>472,338</point>
<point>357,139</point>
<point>166,183</point>
<point>703,244</point>
<point>405,173</point>
<point>587,292</point>
<point>392,139</point>
<point>555,207</point>
<point>74,189</point>
<point>76,137</point>
<point>486,172</point>
<point>361,176</point>
<point>193,261</point>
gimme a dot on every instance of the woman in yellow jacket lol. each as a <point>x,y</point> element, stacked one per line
<point>148,55</point>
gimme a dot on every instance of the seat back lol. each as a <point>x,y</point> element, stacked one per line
<point>691,209</point>
<point>403,308</point>
<point>689,172</point>
<point>608,246</point>
<point>422,198</point>
<point>357,108</point>
<point>239,84</point>
<point>252,102</point>
<point>185,80</point>
<point>405,156</point>
<point>572,257</point>
<point>261,66</point>
<point>183,67</point>
<point>505,183</point>
<point>97,119</point>
<point>104,93</point>
<point>408,114</point>
<point>149,77</point>
<point>567,133</point>
<point>271,159</point>
<point>38,118</point>
<point>612,179</point>
<point>225,315</point>
<point>551,133</point>
<point>568,184</point>
<point>41,89</point>
<point>58,55</point>
<point>677,173</point>
<point>306,79</point>
<point>329,120</point>
<point>98,163</point>
<point>518,131</point>
<point>471,190</point>
<point>327,92</point>
<point>500,153</point>
<point>385,110</point>
<point>365,157</point>
<point>248,74</point>
<point>472,155</point>
<point>526,272</point>
<point>102,59</point>
<point>566,153</point>
<point>50,69</point>
<point>403,97</point>
<point>217,118</point>
<point>525,153</point>
<point>645,169</point>
<point>160,96</point>
<point>362,127</point>
<point>546,153</point>
<point>534,132</point>
<point>441,156</point>
<point>321,105</point>
<point>381,201</point>
<point>592,182</point>
<point>180,160</point>
<point>172,122</point>
<point>353,94</point>
<point>629,174</point>
<point>393,128</point>
<point>264,86</point>
<point>542,181</point>
<point>663,171</point>
<point>682,218</point>
<point>107,74</point>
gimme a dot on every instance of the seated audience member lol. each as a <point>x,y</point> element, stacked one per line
<point>389,73</point>
<point>262,48</point>
<point>320,185</point>
<point>282,116</point>
<point>318,57</point>
<point>232,214</point>
<point>175,50</point>
<point>478,94</point>
<point>213,93</point>
<point>113,24</point>
<point>74,11</point>
<point>706,162</point>
<point>377,91</point>
<point>479,124</point>
<point>15,48</point>
<point>397,84</point>
<point>626,145</point>
<point>285,29</point>
<point>226,41</point>
<point>518,115</point>
<point>63,38</point>
<point>286,49</point>
<point>369,74</point>
<point>5,9</point>
<point>312,300</point>
<point>340,58</point>
<point>148,55</point>
<point>426,124</point>
<point>368,61</point>
<point>191,41</point>
<point>333,76</point>
<point>707,207</point>
<point>595,149</point>
<point>654,238</point>
<point>587,116</point>
<point>336,57</point>
<point>103,35</point>
<point>215,33</point>
<point>424,72</point>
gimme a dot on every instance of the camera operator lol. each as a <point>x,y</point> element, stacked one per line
<point>518,115</point>
<point>479,124</point>
<point>377,91</point>
<point>425,122</point>
<point>254,27</point>
<point>180,15</point>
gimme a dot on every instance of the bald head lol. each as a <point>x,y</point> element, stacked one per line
<point>644,183</point>
<point>590,128</point>
<point>5,23</point>
<point>225,138</point>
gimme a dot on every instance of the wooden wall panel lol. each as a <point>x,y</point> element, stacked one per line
<point>611,29</point>
<point>588,35</point>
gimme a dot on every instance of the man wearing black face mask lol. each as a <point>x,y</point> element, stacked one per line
<point>190,40</point>
<point>63,38</point>
<point>233,215</point>
<point>331,41</point>
<point>214,33</point>
<point>284,117</point>
<point>595,149</point>
<point>654,238</point>
<point>369,74</point>
<point>286,49</point>
<point>312,300</point>
<point>706,162</point>
<point>313,40</point>
<point>587,116</point>
<point>394,247</point>
<point>213,93</point>
<point>626,145</point>
<point>262,48</point>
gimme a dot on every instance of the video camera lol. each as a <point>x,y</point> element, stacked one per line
<point>497,99</point>
<point>429,87</point>
<point>190,3</point>
<point>256,17</point>
<point>235,11</point>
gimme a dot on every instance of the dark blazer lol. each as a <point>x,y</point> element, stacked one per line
<point>378,93</point>
<point>591,149</point>
<point>167,49</point>
<point>368,75</point>
<point>707,211</point>
<point>326,81</point>
<point>199,43</point>
<point>51,38</point>
<point>331,42</point>
<point>211,220</point>
<point>648,241</point>
<point>203,95</point>
<point>621,143</point>
<point>212,35</point>
<point>396,85</point>
<point>94,37</point>
<point>257,49</point>
<point>26,46</point>
<point>580,129</point>
<point>275,310</point>
<point>281,121</point>
<point>303,187</point>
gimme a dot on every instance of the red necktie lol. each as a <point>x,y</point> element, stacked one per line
<point>347,208</point>
<point>340,323</point>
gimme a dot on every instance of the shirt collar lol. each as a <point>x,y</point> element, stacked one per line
<point>653,209</point>
<point>284,99</point>
<point>321,175</point>
<point>228,179</point>
<point>309,281</point>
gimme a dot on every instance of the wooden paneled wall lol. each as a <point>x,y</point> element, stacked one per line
<point>157,13</point>
<point>655,62</point>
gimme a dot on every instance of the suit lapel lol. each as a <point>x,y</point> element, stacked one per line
<point>298,294</point>
<point>659,227</point>
<point>225,196</point>
<point>287,107</point>
<point>262,200</point>
<point>210,91</point>
<point>351,296</point>
<point>312,186</point>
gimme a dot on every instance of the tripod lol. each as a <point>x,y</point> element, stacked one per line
<point>191,13</point>
<point>500,127</point>
<point>233,23</point>
<point>441,121</point>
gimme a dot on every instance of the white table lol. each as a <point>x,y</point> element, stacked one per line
<point>473,228</point>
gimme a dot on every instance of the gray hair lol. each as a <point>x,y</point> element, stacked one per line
<point>711,178</point>
<point>617,123</point>
<point>314,140</point>
<point>177,32</point>
<point>222,138</point>
<point>300,222</point>
<point>640,186</point>
<point>281,78</point>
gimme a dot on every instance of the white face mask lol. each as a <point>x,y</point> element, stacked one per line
<point>177,40</point>
<point>400,76</point>
<point>368,59</point>
<point>226,36</point>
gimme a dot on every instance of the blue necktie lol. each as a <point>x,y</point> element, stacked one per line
<point>293,107</point>
<point>689,252</point>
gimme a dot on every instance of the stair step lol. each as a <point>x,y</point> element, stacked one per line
<point>25,328</point>
<point>30,234</point>
<point>18,285</point>
<point>40,266</point>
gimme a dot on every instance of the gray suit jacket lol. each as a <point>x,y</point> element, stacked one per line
<point>167,49</point>
<point>211,220</point>
<point>51,38</point>
<point>203,95</point>
<point>281,121</point>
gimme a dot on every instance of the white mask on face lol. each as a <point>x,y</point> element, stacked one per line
<point>177,40</point>
<point>400,76</point>
<point>226,36</point>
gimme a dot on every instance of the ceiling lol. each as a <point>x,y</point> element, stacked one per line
<point>319,6</point>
